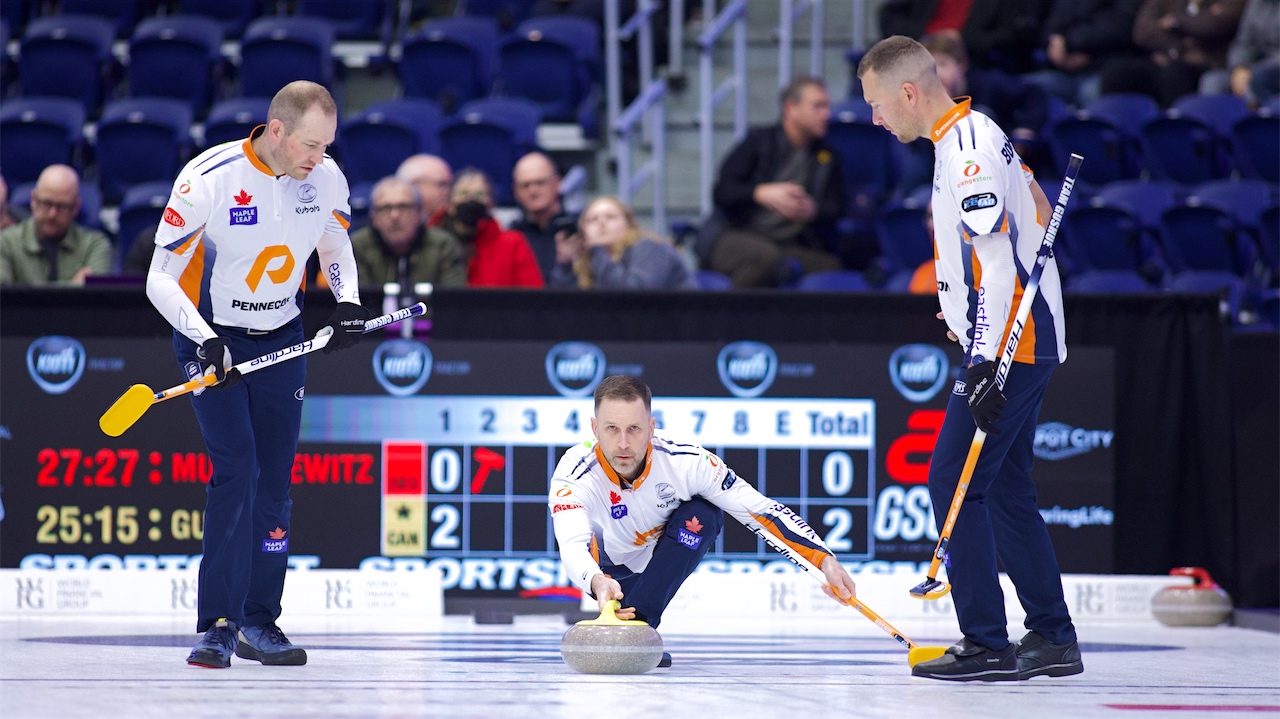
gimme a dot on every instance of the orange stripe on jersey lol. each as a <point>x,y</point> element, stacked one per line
<point>613,476</point>
<point>1026,352</point>
<point>346,224</point>
<point>253,156</point>
<point>595,549</point>
<point>195,237</point>
<point>193,275</point>
<point>812,554</point>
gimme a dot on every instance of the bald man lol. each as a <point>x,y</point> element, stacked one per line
<point>433,178</point>
<point>536,183</point>
<point>398,247</point>
<point>49,247</point>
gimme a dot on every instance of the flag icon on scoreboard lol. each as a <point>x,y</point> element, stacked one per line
<point>404,499</point>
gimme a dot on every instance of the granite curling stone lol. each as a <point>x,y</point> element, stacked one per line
<point>608,645</point>
<point>1203,604</point>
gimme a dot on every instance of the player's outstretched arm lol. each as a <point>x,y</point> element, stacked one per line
<point>838,580</point>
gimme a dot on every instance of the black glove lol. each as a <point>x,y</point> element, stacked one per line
<point>986,401</point>
<point>216,354</point>
<point>347,323</point>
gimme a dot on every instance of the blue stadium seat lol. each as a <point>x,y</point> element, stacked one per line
<point>141,209</point>
<point>554,61</point>
<point>15,15</point>
<point>1127,111</point>
<point>507,13</point>
<point>163,48</point>
<point>37,132</point>
<point>67,56</point>
<point>713,281</point>
<point>363,20</point>
<point>1146,200</point>
<point>277,51</point>
<point>450,60</point>
<point>870,157</point>
<point>833,281</point>
<point>1202,236</point>
<point>1110,151</point>
<point>1184,149</point>
<point>1221,112</point>
<point>1257,143</point>
<point>122,13</point>
<point>1104,237</point>
<point>374,142</point>
<point>141,140</point>
<point>491,135</point>
<point>1247,200</point>
<point>1107,282</point>
<point>234,119</point>
<point>1270,242</point>
<point>1268,307</point>
<point>90,202</point>
<point>233,15</point>
<point>361,198</point>
<point>1271,106</point>
<point>1226,284</point>
<point>903,237</point>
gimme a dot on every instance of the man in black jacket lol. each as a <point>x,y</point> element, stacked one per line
<point>778,191</point>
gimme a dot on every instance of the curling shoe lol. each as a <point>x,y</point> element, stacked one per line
<point>665,661</point>
<point>215,648</point>
<point>969,662</point>
<point>1038,657</point>
<point>269,645</point>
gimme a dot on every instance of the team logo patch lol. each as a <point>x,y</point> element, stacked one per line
<point>172,217</point>
<point>307,193</point>
<point>666,491</point>
<point>244,215</point>
<point>617,509</point>
<point>729,480</point>
<point>689,536</point>
<point>243,198</point>
<point>277,543</point>
<point>980,201</point>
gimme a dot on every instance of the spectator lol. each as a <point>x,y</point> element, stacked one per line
<point>1080,37</point>
<point>49,247</point>
<point>1000,35</point>
<point>1182,40</point>
<point>432,177</point>
<point>7,219</point>
<point>1253,60</point>
<point>611,253</point>
<point>495,257</point>
<point>398,247</point>
<point>543,220</point>
<point>776,193</point>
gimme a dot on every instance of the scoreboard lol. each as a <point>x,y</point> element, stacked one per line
<point>416,452</point>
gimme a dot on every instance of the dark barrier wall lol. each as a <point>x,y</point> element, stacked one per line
<point>1196,467</point>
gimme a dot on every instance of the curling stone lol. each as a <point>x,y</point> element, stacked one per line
<point>1203,604</point>
<point>608,645</point>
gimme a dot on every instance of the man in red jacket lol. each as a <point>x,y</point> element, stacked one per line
<point>495,257</point>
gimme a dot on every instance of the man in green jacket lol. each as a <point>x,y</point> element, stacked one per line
<point>49,247</point>
<point>399,247</point>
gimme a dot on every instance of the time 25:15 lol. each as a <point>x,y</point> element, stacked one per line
<point>65,524</point>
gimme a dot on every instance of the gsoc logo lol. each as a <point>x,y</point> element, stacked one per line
<point>747,369</point>
<point>402,366</point>
<point>55,363</point>
<point>575,368</point>
<point>918,371</point>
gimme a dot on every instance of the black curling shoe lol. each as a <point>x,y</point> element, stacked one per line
<point>1038,657</point>
<point>665,661</point>
<point>969,662</point>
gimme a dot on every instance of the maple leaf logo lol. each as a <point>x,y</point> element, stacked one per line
<point>693,525</point>
<point>276,533</point>
<point>243,198</point>
<point>614,498</point>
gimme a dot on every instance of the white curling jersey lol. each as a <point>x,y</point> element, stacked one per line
<point>986,236</point>
<point>247,234</point>
<point>597,521</point>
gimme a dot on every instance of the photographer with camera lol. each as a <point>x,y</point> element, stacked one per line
<point>495,257</point>
<point>543,220</point>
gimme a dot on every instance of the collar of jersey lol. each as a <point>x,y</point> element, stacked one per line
<point>253,156</point>
<point>613,476</point>
<point>950,118</point>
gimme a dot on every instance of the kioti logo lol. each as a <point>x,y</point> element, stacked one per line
<point>172,217</point>
<point>918,371</point>
<point>401,366</point>
<point>575,368</point>
<point>278,274</point>
<point>55,363</point>
<point>747,369</point>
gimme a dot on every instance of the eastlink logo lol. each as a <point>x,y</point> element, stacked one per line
<point>575,368</point>
<point>1055,440</point>
<point>55,363</point>
<point>402,367</point>
<point>918,371</point>
<point>747,369</point>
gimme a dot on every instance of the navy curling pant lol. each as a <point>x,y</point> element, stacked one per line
<point>999,518</point>
<point>682,545</point>
<point>251,432</point>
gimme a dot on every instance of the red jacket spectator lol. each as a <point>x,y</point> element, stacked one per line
<point>502,258</point>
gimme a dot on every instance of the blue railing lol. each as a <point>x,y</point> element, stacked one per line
<point>733,15</point>
<point>652,103</point>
